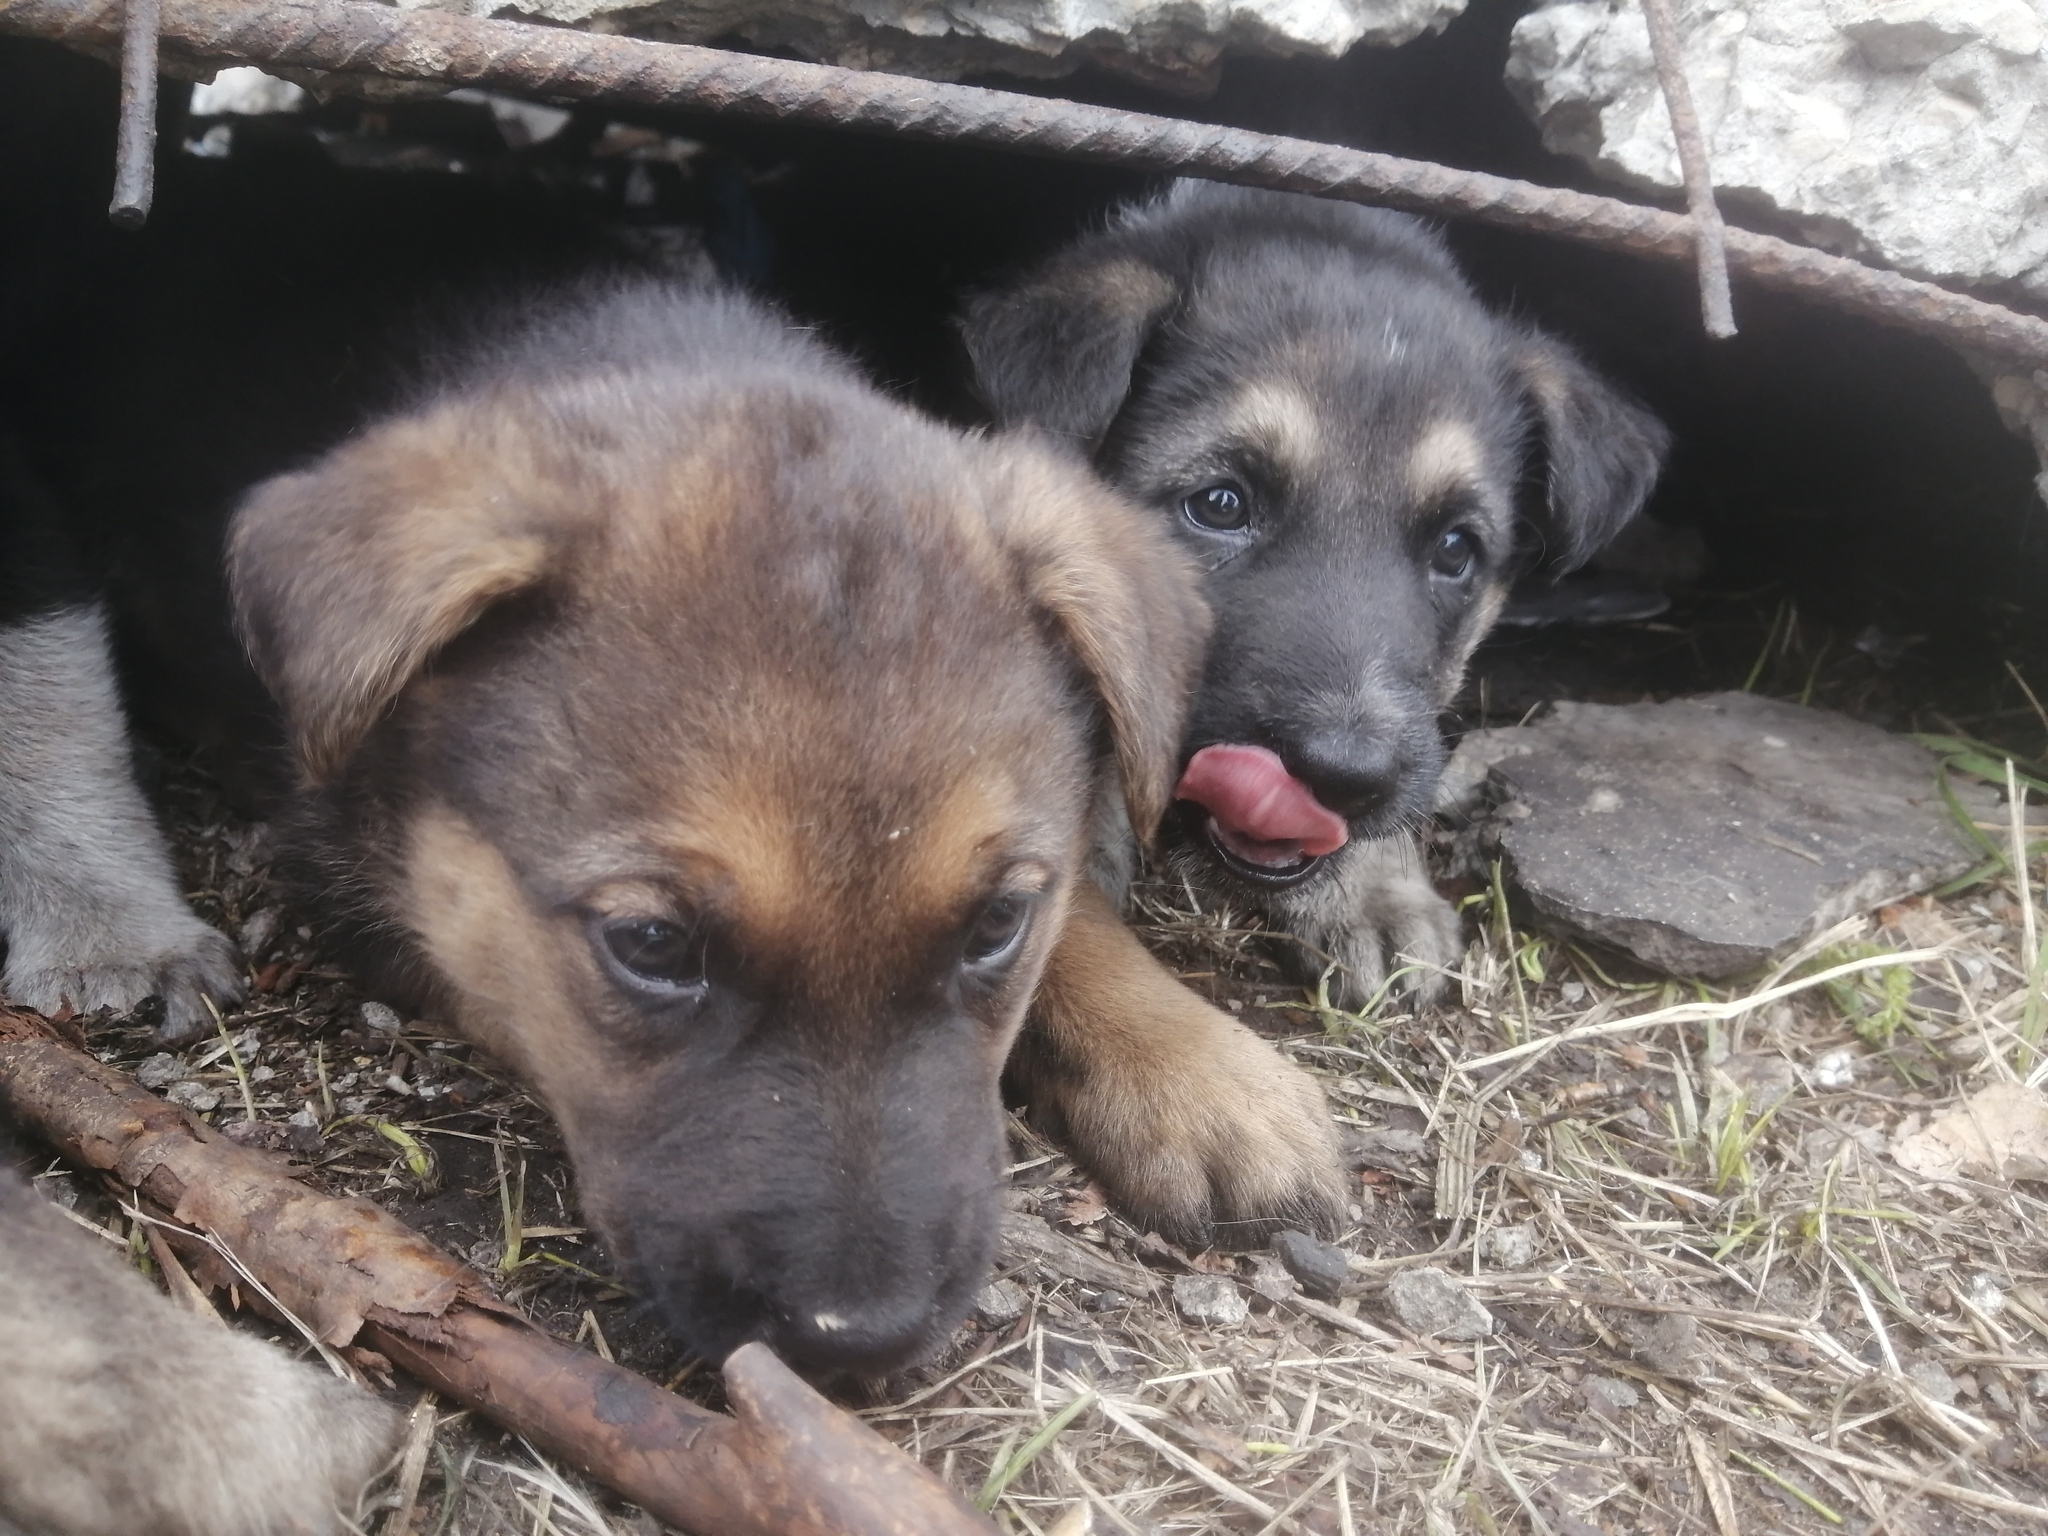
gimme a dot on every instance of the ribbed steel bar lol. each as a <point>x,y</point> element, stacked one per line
<point>359,39</point>
<point>1711,243</point>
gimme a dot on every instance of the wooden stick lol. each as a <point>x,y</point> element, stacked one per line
<point>786,1463</point>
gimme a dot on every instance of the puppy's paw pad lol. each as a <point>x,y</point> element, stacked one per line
<point>185,968</point>
<point>1404,930</point>
<point>1236,1146</point>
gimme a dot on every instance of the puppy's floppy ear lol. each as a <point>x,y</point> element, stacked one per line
<point>348,576</point>
<point>1601,450</point>
<point>1056,349</point>
<point>1126,603</point>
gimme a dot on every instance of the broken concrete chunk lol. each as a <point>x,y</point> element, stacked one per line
<point>1429,1303</point>
<point>1210,1300</point>
<point>1179,46</point>
<point>1709,836</point>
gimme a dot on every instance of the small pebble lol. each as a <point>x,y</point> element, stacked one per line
<point>1511,1247</point>
<point>160,1071</point>
<point>258,931</point>
<point>194,1096</point>
<point>1430,1303</point>
<point>1210,1300</point>
<point>381,1018</point>
<point>1000,1303</point>
<point>1609,1397</point>
<point>1321,1267</point>
<point>1836,1069</point>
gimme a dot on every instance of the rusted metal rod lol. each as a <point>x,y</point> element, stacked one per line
<point>1717,309</point>
<point>135,149</point>
<point>457,50</point>
<point>785,1462</point>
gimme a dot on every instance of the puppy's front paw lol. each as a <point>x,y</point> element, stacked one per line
<point>116,954</point>
<point>1216,1139</point>
<point>1376,915</point>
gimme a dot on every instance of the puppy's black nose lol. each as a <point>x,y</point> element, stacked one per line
<point>1355,775</point>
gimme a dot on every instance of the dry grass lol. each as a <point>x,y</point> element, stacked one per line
<point>1720,1307</point>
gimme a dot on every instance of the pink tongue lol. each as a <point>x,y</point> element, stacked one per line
<point>1261,811</point>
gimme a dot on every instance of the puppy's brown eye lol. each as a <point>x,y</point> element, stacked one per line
<point>1222,508</point>
<point>654,952</point>
<point>998,932</point>
<point>1456,550</point>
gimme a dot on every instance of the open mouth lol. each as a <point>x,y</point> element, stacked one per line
<point>1263,824</point>
<point>1268,861</point>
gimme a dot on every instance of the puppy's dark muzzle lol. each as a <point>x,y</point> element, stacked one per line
<point>853,1305</point>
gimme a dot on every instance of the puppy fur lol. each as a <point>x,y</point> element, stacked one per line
<point>1398,453</point>
<point>90,909</point>
<point>716,742</point>
<point>121,1413</point>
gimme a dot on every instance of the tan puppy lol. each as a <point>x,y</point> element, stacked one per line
<point>717,742</point>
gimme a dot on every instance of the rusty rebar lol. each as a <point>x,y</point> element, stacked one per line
<point>455,50</point>
<point>1710,236</point>
<point>135,149</point>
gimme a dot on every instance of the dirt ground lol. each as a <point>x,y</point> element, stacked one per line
<point>1718,1304</point>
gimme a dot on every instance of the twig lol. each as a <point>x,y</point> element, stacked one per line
<point>458,50</point>
<point>1693,1013</point>
<point>1710,240</point>
<point>135,150</point>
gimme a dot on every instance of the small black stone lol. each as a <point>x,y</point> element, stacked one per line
<point>1319,1267</point>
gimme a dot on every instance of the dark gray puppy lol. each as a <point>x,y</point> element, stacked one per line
<point>1362,457</point>
<point>122,1414</point>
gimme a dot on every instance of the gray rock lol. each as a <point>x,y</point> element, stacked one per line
<point>1430,1303</point>
<point>1178,45</point>
<point>257,932</point>
<point>1000,1303</point>
<point>1608,1396</point>
<point>382,1019</point>
<point>1510,1248</point>
<point>158,1072</point>
<point>1708,836</point>
<point>194,1096</point>
<point>1210,1300</point>
<point>1320,1267</point>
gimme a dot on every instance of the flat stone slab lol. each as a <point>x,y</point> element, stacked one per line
<point>1709,836</point>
